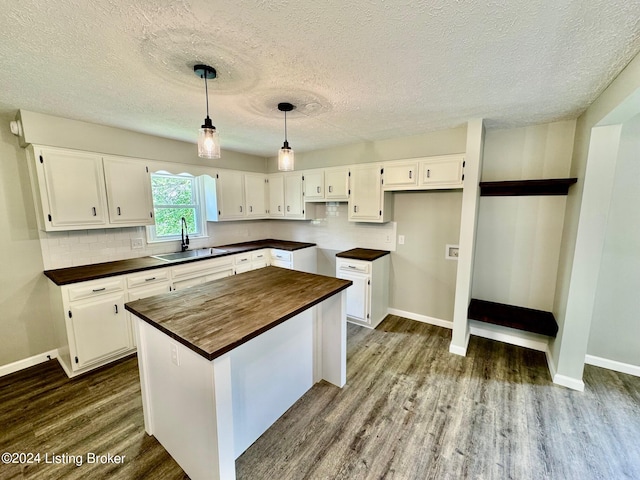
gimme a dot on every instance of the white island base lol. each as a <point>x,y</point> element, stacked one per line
<point>207,413</point>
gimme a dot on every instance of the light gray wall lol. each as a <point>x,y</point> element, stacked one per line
<point>422,280</point>
<point>25,326</point>
<point>41,129</point>
<point>427,144</point>
<point>568,349</point>
<point>615,327</point>
<point>518,238</point>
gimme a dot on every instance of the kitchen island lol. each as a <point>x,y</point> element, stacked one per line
<point>222,361</point>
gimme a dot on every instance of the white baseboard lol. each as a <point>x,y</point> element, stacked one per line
<point>612,365</point>
<point>27,362</point>
<point>421,318</point>
<point>509,335</point>
<point>569,382</point>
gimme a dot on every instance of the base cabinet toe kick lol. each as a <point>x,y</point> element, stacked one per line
<point>206,401</point>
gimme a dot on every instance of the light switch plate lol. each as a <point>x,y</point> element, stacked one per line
<point>175,359</point>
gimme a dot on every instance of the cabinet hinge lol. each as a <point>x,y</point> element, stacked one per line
<point>349,173</point>
<point>303,212</point>
<point>381,171</point>
<point>49,217</point>
<point>464,162</point>
<point>219,212</point>
<point>368,282</point>
<point>380,213</point>
<point>367,315</point>
<point>70,315</point>
<point>77,360</point>
<point>151,214</point>
<point>41,159</point>
<point>217,176</point>
<point>147,169</point>
<point>349,193</point>
<point>303,178</point>
<point>463,176</point>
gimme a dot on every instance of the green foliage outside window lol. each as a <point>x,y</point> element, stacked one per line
<point>174,197</point>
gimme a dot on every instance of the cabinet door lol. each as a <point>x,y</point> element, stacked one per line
<point>128,192</point>
<point>75,188</point>
<point>293,199</point>
<point>256,191</point>
<point>230,186</point>
<point>314,186</point>
<point>365,199</point>
<point>276,195</point>
<point>336,183</point>
<point>441,172</point>
<point>100,329</point>
<point>400,175</point>
<point>357,296</point>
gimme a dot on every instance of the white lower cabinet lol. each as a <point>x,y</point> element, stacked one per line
<point>94,329</point>
<point>368,297</point>
<point>196,273</point>
<point>303,260</point>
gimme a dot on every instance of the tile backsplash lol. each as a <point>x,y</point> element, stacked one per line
<point>329,229</point>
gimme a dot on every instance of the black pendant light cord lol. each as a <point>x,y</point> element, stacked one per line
<point>285,126</point>
<point>206,92</point>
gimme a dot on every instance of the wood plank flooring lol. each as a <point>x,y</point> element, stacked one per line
<point>410,410</point>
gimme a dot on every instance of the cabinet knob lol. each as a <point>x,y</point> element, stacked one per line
<point>119,213</point>
<point>355,209</point>
<point>240,208</point>
<point>330,188</point>
<point>250,208</point>
<point>428,173</point>
<point>410,174</point>
<point>318,189</point>
<point>279,208</point>
<point>116,308</point>
<point>288,208</point>
<point>95,213</point>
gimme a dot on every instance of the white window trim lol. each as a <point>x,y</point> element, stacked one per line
<point>200,209</point>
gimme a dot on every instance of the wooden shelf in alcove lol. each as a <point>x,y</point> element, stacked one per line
<point>552,186</point>
<point>527,319</point>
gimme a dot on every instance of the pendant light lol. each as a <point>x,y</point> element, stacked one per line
<point>285,154</point>
<point>208,138</point>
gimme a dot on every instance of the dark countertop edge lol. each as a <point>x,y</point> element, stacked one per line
<point>355,256</point>
<point>218,353</point>
<point>240,248</point>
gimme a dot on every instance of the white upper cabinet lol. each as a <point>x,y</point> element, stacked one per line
<point>326,185</point>
<point>368,203</point>
<point>276,195</point>
<point>294,207</point>
<point>128,191</point>
<point>400,174</point>
<point>336,181</point>
<point>69,189</point>
<point>230,189</point>
<point>314,185</point>
<point>442,172</point>
<point>255,187</point>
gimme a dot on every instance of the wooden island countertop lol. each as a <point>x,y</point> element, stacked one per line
<point>214,318</point>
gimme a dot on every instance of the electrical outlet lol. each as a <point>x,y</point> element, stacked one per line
<point>388,238</point>
<point>137,243</point>
<point>401,239</point>
<point>451,252</point>
<point>174,355</point>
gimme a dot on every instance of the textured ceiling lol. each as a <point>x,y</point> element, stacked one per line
<point>357,71</point>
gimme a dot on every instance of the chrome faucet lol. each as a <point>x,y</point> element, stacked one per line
<point>185,236</point>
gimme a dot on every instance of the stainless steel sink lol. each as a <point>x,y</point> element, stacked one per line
<point>201,252</point>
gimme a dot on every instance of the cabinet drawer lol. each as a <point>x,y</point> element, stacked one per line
<point>258,255</point>
<point>243,258</point>
<point>201,267</point>
<point>354,266</point>
<point>280,255</point>
<point>92,289</point>
<point>148,277</point>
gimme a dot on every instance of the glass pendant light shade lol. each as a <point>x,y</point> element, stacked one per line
<point>285,154</point>
<point>285,158</point>
<point>208,140</point>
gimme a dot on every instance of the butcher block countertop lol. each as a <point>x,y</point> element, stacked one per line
<point>216,317</point>
<point>365,254</point>
<point>65,276</point>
